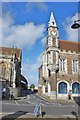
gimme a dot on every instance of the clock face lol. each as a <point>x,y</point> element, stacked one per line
<point>53,33</point>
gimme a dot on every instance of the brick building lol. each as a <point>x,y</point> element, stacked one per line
<point>10,69</point>
<point>59,72</point>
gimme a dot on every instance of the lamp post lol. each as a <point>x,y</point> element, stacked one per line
<point>11,73</point>
<point>55,68</point>
<point>76,25</point>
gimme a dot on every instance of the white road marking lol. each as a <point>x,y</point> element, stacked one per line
<point>71,116</point>
<point>73,105</point>
<point>10,104</point>
<point>42,104</point>
<point>28,97</point>
<point>59,103</point>
<point>34,96</point>
<point>16,102</point>
<point>28,102</point>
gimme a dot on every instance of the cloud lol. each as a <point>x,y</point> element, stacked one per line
<point>37,5</point>
<point>39,59</point>
<point>21,35</point>
<point>43,41</point>
<point>30,71</point>
<point>71,34</point>
<point>1,31</point>
<point>27,67</point>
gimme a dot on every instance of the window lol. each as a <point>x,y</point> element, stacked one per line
<point>49,57</point>
<point>62,88</point>
<point>62,65</point>
<point>49,73</point>
<point>76,88</point>
<point>46,89</point>
<point>75,66</point>
<point>3,70</point>
<point>50,43</point>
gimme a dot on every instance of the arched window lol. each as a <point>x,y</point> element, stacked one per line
<point>76,88</point>
<point>62,88</point>
<point>3,70</point>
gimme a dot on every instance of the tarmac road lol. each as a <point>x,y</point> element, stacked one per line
<point>25,107</point>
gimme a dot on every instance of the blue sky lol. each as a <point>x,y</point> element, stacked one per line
<point>25,24</point>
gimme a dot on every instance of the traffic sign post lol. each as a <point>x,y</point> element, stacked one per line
<point>37,110</point>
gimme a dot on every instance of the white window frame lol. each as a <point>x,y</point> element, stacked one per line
<point>63,67</point>
<point>74,66</point>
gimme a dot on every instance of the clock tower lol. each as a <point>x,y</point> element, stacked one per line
<point>52,35</point>
<point>52,42</point>
<point>52,49</point>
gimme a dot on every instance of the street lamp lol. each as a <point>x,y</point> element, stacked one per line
<point>55,68</point>
<point>11,73</point>
<point>76,25</point>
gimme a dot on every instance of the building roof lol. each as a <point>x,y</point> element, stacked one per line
<point>69,45</point>
<point>10,51</point>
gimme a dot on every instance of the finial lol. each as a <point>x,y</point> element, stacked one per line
<point>52,20</point>
<point>51,17</point>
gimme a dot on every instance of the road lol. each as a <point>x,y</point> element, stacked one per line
<point>26,106</point>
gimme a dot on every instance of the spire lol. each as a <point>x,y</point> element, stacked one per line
<point>52,21</point>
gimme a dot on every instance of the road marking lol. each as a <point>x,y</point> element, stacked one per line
<point>73,105</point>
<point>16,102</point>
<point>34,96</point>
<point>5,113</point>
<point>10,104</point>
<point>42,104</point>
<point>59,104</point>
<point>71,116</point>
<point>28,97</point>
<point>41,98</point>
<point>28,102</point>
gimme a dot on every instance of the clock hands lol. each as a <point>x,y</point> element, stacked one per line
<point>53,33</point>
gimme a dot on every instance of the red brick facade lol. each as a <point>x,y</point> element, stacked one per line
<point>63,73</point>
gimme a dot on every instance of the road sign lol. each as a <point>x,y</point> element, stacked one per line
<point>37,109</point>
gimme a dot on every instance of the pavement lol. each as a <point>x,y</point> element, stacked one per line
<point>40,117</point>
<point>56,100</point>
<point>13,116</point>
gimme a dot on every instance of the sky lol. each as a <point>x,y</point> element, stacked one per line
<point>24,25</point>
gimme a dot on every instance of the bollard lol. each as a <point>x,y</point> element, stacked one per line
<point>69,96</point>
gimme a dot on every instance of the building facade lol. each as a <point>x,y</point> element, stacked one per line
<point>10,68</point>
<point>60,70</point>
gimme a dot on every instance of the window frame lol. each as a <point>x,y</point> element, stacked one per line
<point>74,66</point>
<point>62,65</point>
<point>59,88</point>
<point>77,90</point>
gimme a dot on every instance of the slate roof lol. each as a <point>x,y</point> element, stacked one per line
<point>10,51</point>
